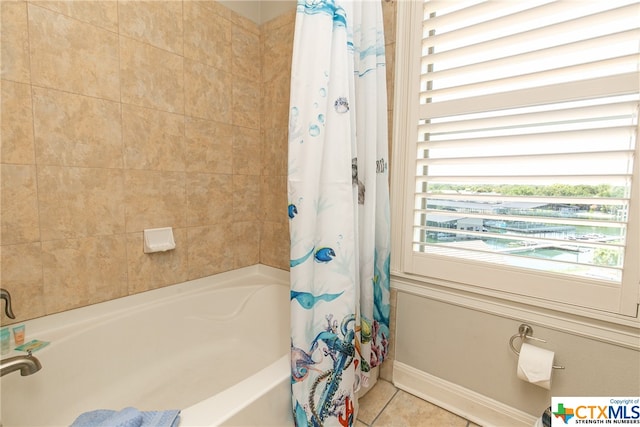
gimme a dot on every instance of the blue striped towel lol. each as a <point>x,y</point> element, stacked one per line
<point>128,417</point>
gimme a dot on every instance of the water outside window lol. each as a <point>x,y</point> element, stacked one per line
<point>541,183</point>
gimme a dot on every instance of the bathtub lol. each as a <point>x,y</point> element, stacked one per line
<point>216,348</point>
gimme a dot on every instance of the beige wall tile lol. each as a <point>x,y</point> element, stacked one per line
<point>209,146</point>
<point>96,12</point>
<point>155,270</point>
<point>246,103</point>
<point>152,139</point>
<point>246,247</point>
<point>246,197</point>
<point>390,138</point>
<point>19,204</point>
<point>275,100</point>
<point>179,169</point>
<point>210,250</point>
<point>390,54</point>
<point>389,21</point>
<point>238,19</point>
<point>285,19</point>
<point>274,198</point>
<point>16,123</point>
<point>275,115</point>
<point>274,244</point>
<point>154,199</point>
<point>151,77</point>
<point>207,91</point>
<point>274,144</point>
<point>245,46</point>
<point>79,202</point>
<point>209,199</point>
<point>277,89</point>
<point>71,55</point>
<point>22,276</point>
<point>207,34</point>
<point>79,272</point>
<point>277,45</point>
<point>247,151</point>
<point>386,369</point>
<point>158,23</point>
<point>277,51</point>
<point>219,9</point>
<point>76,130</point>
<point>14,41</point>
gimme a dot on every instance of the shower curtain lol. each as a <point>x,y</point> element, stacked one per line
<point>338,207</point>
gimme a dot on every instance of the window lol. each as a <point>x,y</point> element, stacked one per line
<point>520,124</point>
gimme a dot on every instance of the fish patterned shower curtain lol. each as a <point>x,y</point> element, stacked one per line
<point>338,207</point>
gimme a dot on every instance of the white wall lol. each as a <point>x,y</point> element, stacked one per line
<point>273,8</point>
<point>469,347</point>
<point>260,11</point>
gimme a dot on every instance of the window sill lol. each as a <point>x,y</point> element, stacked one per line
<point>614,329</point>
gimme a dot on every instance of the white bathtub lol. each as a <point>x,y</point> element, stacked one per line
<point>216,348</point>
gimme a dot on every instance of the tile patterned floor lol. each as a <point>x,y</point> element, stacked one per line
<point>386,406</point>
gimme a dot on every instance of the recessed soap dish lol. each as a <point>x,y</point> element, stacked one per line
<point>158,240</point>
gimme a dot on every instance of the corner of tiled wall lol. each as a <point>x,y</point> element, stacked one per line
<point>110,127</point>
<point>277,47</point>
<point>276,42</point>
<point>121,116</point>
<point>389,15</point>
<point>20,246</point>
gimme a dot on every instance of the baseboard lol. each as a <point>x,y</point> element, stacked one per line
<point>461,401</point>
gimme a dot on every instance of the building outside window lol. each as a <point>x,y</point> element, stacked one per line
<point>516,171</point>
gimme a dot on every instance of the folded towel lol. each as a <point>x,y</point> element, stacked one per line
<point>128,417</point>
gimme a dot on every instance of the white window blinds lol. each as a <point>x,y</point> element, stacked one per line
<point>525,136</point>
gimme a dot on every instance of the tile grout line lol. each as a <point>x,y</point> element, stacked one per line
<point>468,424</point>
<point>384,407</point>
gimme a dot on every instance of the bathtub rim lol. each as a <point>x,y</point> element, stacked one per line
<point>222,406</point>
<point>227,402</point>
<point>51,326</point>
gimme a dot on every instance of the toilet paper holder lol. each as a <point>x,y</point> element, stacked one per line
<point>526,332</point>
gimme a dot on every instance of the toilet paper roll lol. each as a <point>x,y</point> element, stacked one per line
<point>535,365</point>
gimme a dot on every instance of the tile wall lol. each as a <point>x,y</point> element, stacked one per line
<point>389,15</point>
<point>123,115</point>
<point>277,46</point>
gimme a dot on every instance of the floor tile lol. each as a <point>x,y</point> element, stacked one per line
<point>407,410</point>
<point>375,400</point>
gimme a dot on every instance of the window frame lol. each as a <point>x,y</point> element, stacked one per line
<point>617,303</point>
